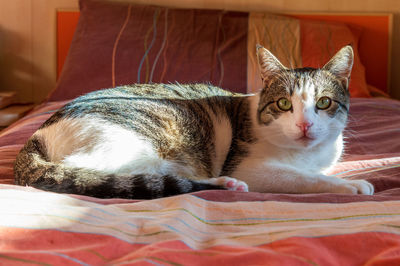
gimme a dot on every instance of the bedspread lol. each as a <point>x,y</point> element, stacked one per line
<point>214,227</point>
<point>39,227</point>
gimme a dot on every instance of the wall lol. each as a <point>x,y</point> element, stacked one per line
<point>27,35</point>
<point>27,46</point>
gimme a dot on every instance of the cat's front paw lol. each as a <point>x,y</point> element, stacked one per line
<point>230,183</point>
<point>355,187</point>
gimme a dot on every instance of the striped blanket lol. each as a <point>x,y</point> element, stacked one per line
<point>46,228</point>
<point>214,227</point>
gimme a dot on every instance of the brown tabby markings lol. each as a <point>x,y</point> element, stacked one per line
<point>290,79</point>
<point>175,118</point>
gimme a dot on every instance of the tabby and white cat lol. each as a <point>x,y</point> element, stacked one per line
<point>155,140</point>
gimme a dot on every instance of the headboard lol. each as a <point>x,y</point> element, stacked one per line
<point>374,46</point>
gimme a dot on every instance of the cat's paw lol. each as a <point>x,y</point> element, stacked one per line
<point>230,183</point>
<point>356,187</point>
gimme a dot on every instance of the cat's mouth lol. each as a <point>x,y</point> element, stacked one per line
<point>305,139</point>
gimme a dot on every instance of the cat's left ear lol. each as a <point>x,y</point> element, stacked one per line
<point>269,64</point>
<point>341,64</point>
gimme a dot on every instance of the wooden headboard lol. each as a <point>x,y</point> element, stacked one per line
<point>374,47</point>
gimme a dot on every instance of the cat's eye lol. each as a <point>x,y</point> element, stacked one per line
<point>324,103</point>
<point>284,104</point>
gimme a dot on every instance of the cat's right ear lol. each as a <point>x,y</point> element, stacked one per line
<point>268,63</point>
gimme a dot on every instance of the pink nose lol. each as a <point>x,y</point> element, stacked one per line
<point>305,126</point>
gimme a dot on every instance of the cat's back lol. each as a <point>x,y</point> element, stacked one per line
<point>137,92</point>
<point>172,122</point>
<point>120,102</point>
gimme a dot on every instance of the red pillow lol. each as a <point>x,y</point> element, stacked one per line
<point>321,40</point>
<point>120,43</point>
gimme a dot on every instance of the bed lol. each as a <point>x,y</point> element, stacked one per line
<point>120,43</point>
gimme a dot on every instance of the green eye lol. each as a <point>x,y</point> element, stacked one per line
<point>324,103</point>
<point>284,104</point>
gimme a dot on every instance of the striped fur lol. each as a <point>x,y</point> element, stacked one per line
<point>156,140</point>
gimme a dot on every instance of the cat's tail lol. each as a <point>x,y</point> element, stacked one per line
<point>33,167</point>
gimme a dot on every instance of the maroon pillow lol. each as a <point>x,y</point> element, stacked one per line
<point>120,43</point>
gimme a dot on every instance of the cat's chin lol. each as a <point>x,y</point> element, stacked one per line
<point>298,143</point>
<point>305,141</point>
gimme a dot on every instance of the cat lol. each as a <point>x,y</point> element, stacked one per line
<point>147,141</point>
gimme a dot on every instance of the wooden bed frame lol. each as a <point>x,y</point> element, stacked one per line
<point>374,47</point>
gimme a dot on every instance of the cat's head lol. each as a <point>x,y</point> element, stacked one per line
<point>304,107</point>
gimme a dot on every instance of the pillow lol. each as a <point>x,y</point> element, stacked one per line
<point>302,42</point>
<point>279,34</point>
<point>321,40</point>
<point>120,43</point>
